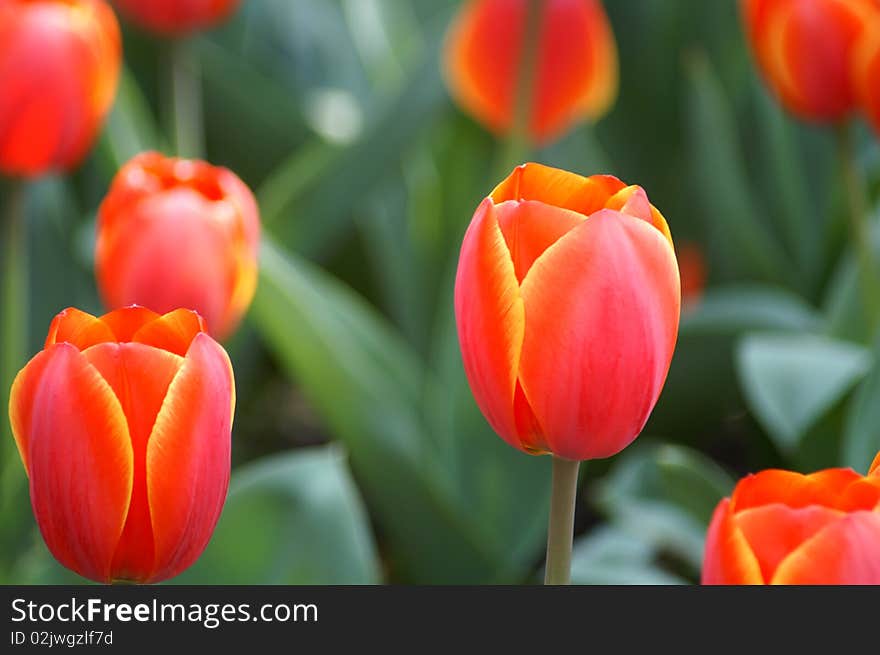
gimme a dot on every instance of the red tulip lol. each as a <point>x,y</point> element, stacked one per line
<point>805,49</point>
<point>59,68</point>
<point>780,527</point>
<point>567,303</point>
<point>123,425</point>
<point>867,74</point>
<point>575,70</point>
<point>175,17</point>
<point>179,233</point>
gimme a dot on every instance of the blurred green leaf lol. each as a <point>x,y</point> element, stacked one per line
<point>692,481</point>
<point>609,556</point>
<point>732,310</point>
<point>790,381</point>
<point>861,437</point>
<point>367,384</point>
<point>291,518</point>
<point>721,184</point>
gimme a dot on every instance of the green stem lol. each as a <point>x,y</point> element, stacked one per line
<point>560,533</point>
<point>186,100</point>
<point>517,146</point>
<point>856,194</point>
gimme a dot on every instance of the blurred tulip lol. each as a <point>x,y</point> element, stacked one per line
<point>123,424</point>
<point>780,527</point>
<point>875,467</point>
<point>692,269</point>
<point>805,50</point>
<point>567,303</point>
<point>867,74</point>
<point>59,68</point>
<point>575,71</point>
<point>179,233</point>
<point>175,17</point>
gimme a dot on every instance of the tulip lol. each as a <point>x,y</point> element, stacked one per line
<point>175,17</point>
<point>567,302</point>
<point>575,71</point>
<point>867,73</point>
<point>179,233</point>
<point>780,527</point>
<point>59,68</point>
<point>692,269</point>
<point>805,50</point>
<point>123,424</point>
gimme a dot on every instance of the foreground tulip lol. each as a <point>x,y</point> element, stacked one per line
<point>173,17</point>
<point>567,302</point>
<point>179,233</point>
<point>780,527</point>
<point>59,68</point>
<point>575,73</point>
<point>805,50</point>
<point>123,425</point>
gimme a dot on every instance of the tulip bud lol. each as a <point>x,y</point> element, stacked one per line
<point>123,424</point>
<point>805,48</point>
<point>567,303</point>
<point>179,233</point>
<point>175,17</point>
<point>59,68</point>
<point>780,527</point>
<point>575,71</point>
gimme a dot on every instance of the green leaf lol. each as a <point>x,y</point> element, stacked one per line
<point>721,183</point>
<point>609,556</point>
<point>732,310</point>
<point>293,518</point>
<point>861,436</point>
<point>367,384</point>
<point>692,481</point>
<point>790,381</point>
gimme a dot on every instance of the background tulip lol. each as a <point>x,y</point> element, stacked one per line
<point>123,424</point>
<point>179,233</point>
<point>567,303</point>
<point>176,16</point>
<point>780,527</point>
<point>59,68</point>
<point>805,49</point>
<point>867,72</point>
<point>575,71</point>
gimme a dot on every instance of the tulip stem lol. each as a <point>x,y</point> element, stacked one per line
<point>186,100</point>
<point>856,195</point>
<point>560,533</point>
<point>517,146</point>
<point>13,347</point>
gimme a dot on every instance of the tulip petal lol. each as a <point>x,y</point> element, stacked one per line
<point>728,557</point>
<point>634,201</point>
<point>774,531</point>
<point>553,186</point>
<point>21,402</point>
<point>173,332</point>
<point>79,329</point>
<point>530,227</point>
<point>188,457</point>
<point>875,466</point>
<point>845,552</point>
<point>490,317</point>
<point>125,322</point>
<point>824,488</point>
<point>81,475</point>
<point>592,370</point>
<point>139,376</point>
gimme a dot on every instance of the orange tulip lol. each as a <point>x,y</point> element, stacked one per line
<point>123,425</point>
<point>780,527</point>
<point>575,70</point>
<point>179,233</point>
<point>567,303</point>
<point>175,17</point>
<point>692,268</point>
<point>59,68</point>
<point>805,50</point>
